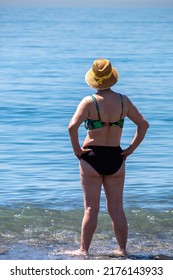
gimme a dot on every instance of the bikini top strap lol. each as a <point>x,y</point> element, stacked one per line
<point>97,106</point>
<point>122,105</point>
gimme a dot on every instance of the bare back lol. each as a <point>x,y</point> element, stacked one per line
<point>110,108</point>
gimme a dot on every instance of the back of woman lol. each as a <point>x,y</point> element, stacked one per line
<point>112,108</point>
<point>102,160</point>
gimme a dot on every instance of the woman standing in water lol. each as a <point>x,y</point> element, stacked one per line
<point>102,161</point>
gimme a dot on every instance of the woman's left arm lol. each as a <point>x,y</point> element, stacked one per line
<point>142,126</point>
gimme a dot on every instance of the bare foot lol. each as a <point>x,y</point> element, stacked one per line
<point>120,253</point>
<point>3,251</point>
<point>77,253</point>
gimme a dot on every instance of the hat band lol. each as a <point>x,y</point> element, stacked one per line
<point>101,79</point>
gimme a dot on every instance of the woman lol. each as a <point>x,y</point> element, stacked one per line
<point>102,161</point>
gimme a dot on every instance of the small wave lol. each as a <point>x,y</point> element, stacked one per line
<point>28,231</point>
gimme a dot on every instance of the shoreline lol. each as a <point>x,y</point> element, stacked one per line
<point>18,251</point>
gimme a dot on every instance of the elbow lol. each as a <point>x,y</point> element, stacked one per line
<point>145,124</point>
<point>71,128</point>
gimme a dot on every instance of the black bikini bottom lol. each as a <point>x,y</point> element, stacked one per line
<point>105,160</point>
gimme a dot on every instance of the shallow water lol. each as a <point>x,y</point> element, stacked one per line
<point>33,233</point>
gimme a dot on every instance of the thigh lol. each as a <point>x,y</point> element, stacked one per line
<point>91,183</point>
<point>114,185</point>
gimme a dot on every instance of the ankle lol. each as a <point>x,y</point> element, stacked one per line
<point>123,251</point>
<point>84,252</point>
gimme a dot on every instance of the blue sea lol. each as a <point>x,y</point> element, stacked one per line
<point>44,55</point>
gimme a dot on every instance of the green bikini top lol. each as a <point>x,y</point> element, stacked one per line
<point>94,124</point>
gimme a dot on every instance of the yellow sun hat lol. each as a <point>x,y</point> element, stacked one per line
<point>102,75</point>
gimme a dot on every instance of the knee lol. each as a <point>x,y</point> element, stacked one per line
<point>92,211</point>
<point>114,209</point>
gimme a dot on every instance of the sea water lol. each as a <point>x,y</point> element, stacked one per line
<point>44,55</point>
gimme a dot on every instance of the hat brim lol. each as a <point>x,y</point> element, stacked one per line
<point>105,84</point>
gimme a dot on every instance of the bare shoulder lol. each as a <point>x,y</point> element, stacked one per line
<point>83,106</point>
<point>133,113</point>
<point>126,103</point>
<point>126,100</point>
<point>87,100</point>
<point>81,112</point>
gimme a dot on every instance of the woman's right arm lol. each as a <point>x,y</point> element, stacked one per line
<point>142,125</point>
<point>79,116</point>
